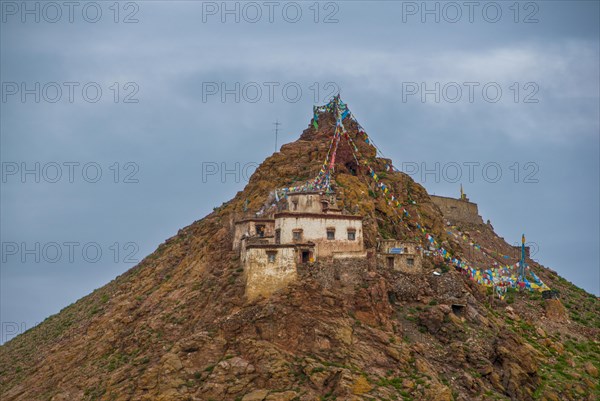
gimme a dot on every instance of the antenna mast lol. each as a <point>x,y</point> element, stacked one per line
<point>276,124</point>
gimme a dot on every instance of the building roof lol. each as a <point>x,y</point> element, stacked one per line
<point>306,193</point>
<point>404,241</point>
<point>255,219</point>
<point>319,215</point>
<point>454,199</point>
<point>269,246</point>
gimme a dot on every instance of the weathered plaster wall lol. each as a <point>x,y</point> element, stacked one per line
<point>305,202</point>
<point>410,251</point>
<point>264,277</point>
<point>314,229</point>
<point>249,226</point>
<point>401,262</point>
<point>407,247</point>
<point>349,255</point>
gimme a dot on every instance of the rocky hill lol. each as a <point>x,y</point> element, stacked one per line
<point>179,327</point>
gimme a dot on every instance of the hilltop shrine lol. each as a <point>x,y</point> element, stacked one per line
<point>304,225</point>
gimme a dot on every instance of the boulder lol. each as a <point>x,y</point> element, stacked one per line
<point>590,369</point>
<point>256,395</point>
<point>361,386</point>
<point>283,396</point>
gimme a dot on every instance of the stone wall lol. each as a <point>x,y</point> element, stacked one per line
<point>263,277</point>
<point>457,210</point>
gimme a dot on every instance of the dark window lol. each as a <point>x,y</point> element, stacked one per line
<point>351,235</point>
<point>305,256</point>
<point>330,234</point>
<point>410,261</point>
<point>260,230</point>
<point>390,262</point>
<point>271,256</point>
<point>297,235</point>
<point>278,236</point>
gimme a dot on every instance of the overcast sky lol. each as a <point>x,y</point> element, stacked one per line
<point>140,119</point>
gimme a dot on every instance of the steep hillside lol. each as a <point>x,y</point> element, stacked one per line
<point>179,327</point>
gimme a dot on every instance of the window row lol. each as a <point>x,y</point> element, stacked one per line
<point>306,256</point>
<point>297,234</point>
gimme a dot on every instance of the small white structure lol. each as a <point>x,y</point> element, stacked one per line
<point>403,256</point>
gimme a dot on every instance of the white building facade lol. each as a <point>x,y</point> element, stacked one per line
<point>309,228</point>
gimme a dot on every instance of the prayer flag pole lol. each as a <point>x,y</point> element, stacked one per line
<point>522,262</point>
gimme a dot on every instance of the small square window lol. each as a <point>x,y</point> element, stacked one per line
<point>410,261</point>
<point>297,235</point>
<point>271,256</point>
<point>351,235</point>
<point>330,234</point>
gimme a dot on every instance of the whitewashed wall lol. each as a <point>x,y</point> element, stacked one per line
<point>315,230</point>
<point>264,277</point>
